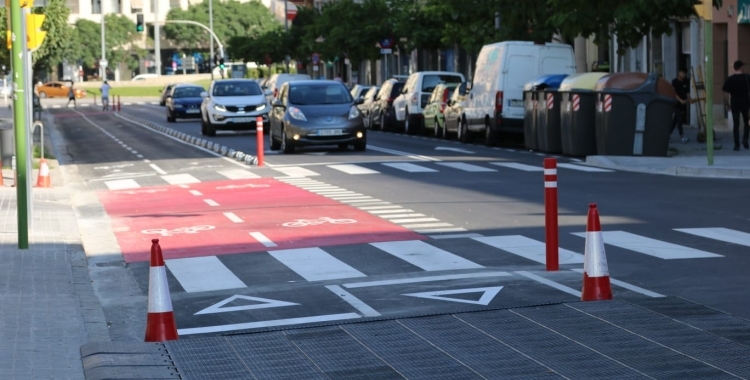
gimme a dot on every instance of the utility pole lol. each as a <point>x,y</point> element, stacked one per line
<point>708,26</point>
<point>211,26</point>
<point>157,38</point>
<point>103,69</point>
<point>20,72</point>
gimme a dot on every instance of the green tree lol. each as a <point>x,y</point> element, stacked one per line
<point>121,41</point>
<point>57,44</point>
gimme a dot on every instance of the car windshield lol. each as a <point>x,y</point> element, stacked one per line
<point>309,94</point>
<point>244,88</point>
<point>187,92</point>
<point>431,81</point>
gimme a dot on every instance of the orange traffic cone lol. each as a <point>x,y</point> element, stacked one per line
<point>160,325</point>
<point>596,286</point>
<point>43,180</point>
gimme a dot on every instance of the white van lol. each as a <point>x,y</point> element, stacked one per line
<point>495,101</point>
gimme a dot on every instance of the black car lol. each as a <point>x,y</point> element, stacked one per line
<point>382,113</point>
<point>315,112</point>
<point>165,94</point>
<point>184,102</point>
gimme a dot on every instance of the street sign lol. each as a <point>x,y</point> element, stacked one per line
<point>386,51</point>
<point>386,43</point>
<point>189,63</point>
<point>315,58</point>
<point>103,63</point>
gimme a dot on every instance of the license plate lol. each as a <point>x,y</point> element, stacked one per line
<point>243,119</point>
<point>192,111</point>
<point>330,132</point>
<point>516,103</point>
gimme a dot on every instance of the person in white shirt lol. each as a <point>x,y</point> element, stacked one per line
<point>105,96</point>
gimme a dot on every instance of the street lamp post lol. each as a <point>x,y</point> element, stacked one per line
<point>157,43</point>
<point>211,27</point>
<point>102,69</point>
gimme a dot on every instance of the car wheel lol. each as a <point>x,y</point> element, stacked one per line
<point>383,125</point>
<point>210,130</point>
<point>490,137</point>
<point>407,125</point>
<point>463,132</point>
<point>437,128</point>
<point>170,118</point>
<point>275,144</point>
<point>42,94</point>
<point>286,145</point>
<point>360,146</point>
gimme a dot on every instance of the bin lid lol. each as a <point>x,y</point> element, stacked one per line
<point>549,81</point>
<point>582,81</point>
<point>636,82</point>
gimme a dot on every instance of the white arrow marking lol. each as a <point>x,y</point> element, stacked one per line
<point>487,295</point>
<point>265,304</point>
<point>455,150</point>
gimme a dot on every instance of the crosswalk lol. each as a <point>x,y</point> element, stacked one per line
<point>57,106</point>
<point>424,260</point>
<point>351,169</point>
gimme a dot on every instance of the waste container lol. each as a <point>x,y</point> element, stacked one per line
<point>7,144</point>
<point>578,114</point>
<point>548,113</point>
<point>634,115</point>
<point>529,116</point>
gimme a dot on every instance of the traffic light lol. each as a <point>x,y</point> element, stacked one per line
<point>221,63</point>
<point>139,22</point>
<point>34,33</point>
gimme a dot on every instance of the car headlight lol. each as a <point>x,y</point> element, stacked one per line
<point>177,105</point>
<point>219,107</point>
<point>353,112</point>
<point>261,107</point>
<point>296,113</point>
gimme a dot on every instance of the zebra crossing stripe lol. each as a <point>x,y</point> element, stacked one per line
<point>425,256</point>
<point>584,168</point>
<point>529,248</point>
<point>315,264</point>
<point>353,169</point>
<point>238,174</point>
<point>515,165</point>
<point>122,184</point>
<point>466,167</point>
<point>180,179</point>
<point>203,274</point>
<point>411,168</point>
<point>390,211</point>
<point>651,247</point>
<point>720,234</point>
<point>396,216</point>
<point>296,171</point>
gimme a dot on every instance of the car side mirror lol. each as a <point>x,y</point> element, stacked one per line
<point>204,94</point>
<point>359,101</point>
<point>268,92</point>
<point>277,103</point>
<point>469,86</point>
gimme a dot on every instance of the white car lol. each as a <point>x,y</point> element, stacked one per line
<point>273,84</point>
<point>415,95</point>
<point>144,77</point>
<point>233,104</point>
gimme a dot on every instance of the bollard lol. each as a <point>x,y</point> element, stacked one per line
<point>259,138</point>
<point>119,103</point>
<point>550,214</point>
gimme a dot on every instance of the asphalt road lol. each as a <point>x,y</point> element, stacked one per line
<point>439,226</point>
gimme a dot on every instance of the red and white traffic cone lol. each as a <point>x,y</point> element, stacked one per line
<point>43,179</point>
<point>160,325</point>
<point>596,286</point>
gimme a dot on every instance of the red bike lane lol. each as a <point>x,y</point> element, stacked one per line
<point>240,216</point>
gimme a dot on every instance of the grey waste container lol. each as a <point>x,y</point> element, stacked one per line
<point>634,115</point>
<point>548,113</point>
<point>529,116</point>
<point>578,114</point>
<point>7,144</point>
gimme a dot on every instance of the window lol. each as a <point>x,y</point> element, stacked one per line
<point>174,4</point>
<point>431,81</point>
<point>244,88</point>
<point>96,7</point>
<point>73,6</point>
<point>116,6</point>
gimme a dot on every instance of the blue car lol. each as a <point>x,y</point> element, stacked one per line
<point>184,102</point>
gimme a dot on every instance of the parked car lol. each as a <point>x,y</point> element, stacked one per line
<point>184,102</point>
<point>495,101</point>
<point>381,111</point>
<point>454,111</point>
<point>275,81</point>
<point>359,91</point>
<point>57,88</point>
<point>233,104</point>
<point>416,93</point>
<point>165,91</point>
<point>434,119</point>
<point>144,77</point>
<point>316,112</point>
<point>366,106</point>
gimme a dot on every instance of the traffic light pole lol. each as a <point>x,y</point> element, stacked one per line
<point>221,46</point>
<point>20,72</point>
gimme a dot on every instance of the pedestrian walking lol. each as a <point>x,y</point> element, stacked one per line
<point>682,89</point>
<point>105,96</point>
<point>71,96</point>
<point>737,100</point>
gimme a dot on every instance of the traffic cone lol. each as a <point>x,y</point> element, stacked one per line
<point>43,179</point>
<point>596,286</point>
<point>160,324</point>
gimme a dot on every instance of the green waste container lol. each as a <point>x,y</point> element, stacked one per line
<point>548,113</point>
<point>529,116</point>
<point>578,114</point>
<point>634,115</point>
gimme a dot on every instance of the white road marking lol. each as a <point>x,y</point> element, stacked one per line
<point>400,153</point>
<point>238,174</point>
<point>348,197</point>
<point>584,168</point>
<point>720,234</point>
<point>414,220</point>
<point>262,239</point>
<point>296,171</point>
<point>625,285</point>
<point>373,203</point>
<point>651,247</point>
<point>180,179</point>
<point>440,230</point>
<point>203,274</point>
<point>411,168</point>
<point>426,225</point>
<point>516,165</point>
<point>363,308</point>
<point>488,294</point>
<point>122,184</point>
<point>466,167</point>
<point>353,169</point>
<point>379,207</point>
<point>196,193</point>
<point>211,202</point>
<point>391,211</point>
<point>271,323</point>
<point>139,156</point>
<point>395,216</point>
<point>315,264</point>
<point>550,283</point>
<point>367,200</point>
<point>425,256</point>
<point>455,150</point>
<point>529,248</point>
<point>233,217</point>
<point>413,280</point>
<point>263,303</point>
<point>146,161</point>
<point>455,236</point>
<point>134,152</point>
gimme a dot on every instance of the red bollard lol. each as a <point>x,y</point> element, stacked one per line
<point>119,104</point>
<point>550,214</point>
<point>259,138</point>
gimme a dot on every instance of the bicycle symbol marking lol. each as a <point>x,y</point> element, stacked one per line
<point>240,186</point>
<point>315,222</point>
<point>181,230</point>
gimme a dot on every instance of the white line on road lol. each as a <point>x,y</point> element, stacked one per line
<point>363,200</point>
<point>271,323</point>
<point>426,225</point>
<point>203,274</point>
<point>157,169</point>
<point>425,256</point>
<point>396,216</point>
<point>466,167</point>
<point>211,202</point>
<point>529,248</point>
<point>408,167</point>
<point>414,220</point>
<point>721,234</point>
<point>413,280</point>
<point>651,247</point>
<point>400,153</point>
<point>353,169</point>
<point>180,179</point>
<point>196,193</point>
<point>146,161</point>
<point>262,239</point>
<point>363,308</point>
<point>379,207</point>
<point>315,264</point>
<point>625,285</point>
<point>122,184</point>
<point>584,168</point>
<point>296,171</point>
<point>233,217</point>
<point>515,165</point>
<point>440,230</point>
<point>456,236</point>
<point>390,211</point>
<point>238,174</point>
<point>550,283</point>
<point>139,156</point>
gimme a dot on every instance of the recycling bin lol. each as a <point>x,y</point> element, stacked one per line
<point>578,114</point>
<point>634,115</point>
<point>7,144</point>
<point>548,113</point>
<point>529,116</point>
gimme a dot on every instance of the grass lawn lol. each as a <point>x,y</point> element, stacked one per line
<point>139,91</point>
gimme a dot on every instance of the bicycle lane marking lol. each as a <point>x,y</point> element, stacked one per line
<point>263,204</point>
